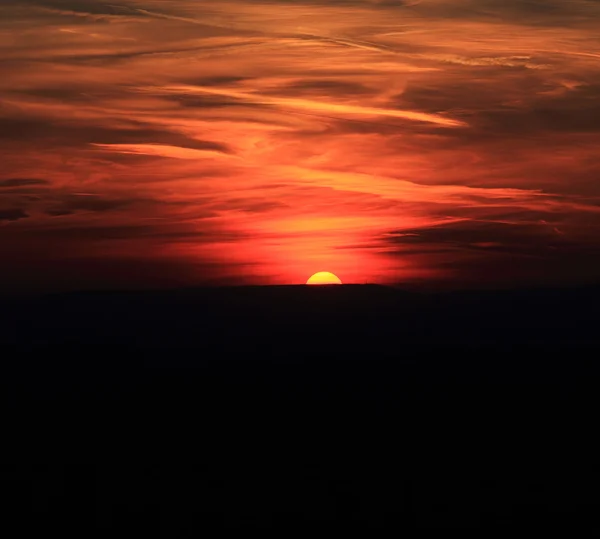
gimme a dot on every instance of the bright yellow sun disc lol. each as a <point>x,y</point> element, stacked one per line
<point>324,277</point>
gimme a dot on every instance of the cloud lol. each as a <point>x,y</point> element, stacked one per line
<point>510,237</point>
<point>12,214</point>
<point>320,107</point>
<point>91,9</point>
<point>161,150</point>
<point>22,182</point>
<point>78,133</point>
<point>68,204</point>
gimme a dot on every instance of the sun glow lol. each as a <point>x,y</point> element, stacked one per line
<point>324,277</point>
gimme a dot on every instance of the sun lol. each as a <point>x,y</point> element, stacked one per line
<point>324,277</point>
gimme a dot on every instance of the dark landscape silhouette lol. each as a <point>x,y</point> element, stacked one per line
<point>175,413</point>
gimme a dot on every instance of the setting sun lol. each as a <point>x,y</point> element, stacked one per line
<point>324,277</point>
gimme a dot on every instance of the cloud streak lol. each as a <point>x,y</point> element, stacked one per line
<point>319,107</point>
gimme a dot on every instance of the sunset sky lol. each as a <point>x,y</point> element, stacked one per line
<point>189,142</point>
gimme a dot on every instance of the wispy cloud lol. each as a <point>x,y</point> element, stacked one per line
<point>319,107</point>
<point>161,150</point>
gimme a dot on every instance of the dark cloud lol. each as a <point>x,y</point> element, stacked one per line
<point>211,102</point>
<point>73,134</point>
<point>12,214</point>
<point>143,135</point>
<point>473,233</point>
<point>22,182</point>
<point>215,81</point>
<point>72,203</point>
<point>59,212</point>
<point>522,12</point>
<point>113,232</point>
<point>526,104</point>
<point>82,7</point>
<point>482,254</point>
<point>325,87</point>
<point>75,233</point>
<point>72,94</point>
<point>541,240</point>
<point>570,117</point>
<point>248,205</point>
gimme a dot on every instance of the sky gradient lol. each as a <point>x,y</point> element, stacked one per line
<point>188,142</point>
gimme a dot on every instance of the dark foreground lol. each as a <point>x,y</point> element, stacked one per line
<point>173,414</point>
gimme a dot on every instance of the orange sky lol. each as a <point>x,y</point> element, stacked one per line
<point>181,142</point>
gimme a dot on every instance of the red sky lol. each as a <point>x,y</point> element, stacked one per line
<point>181,142</point>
